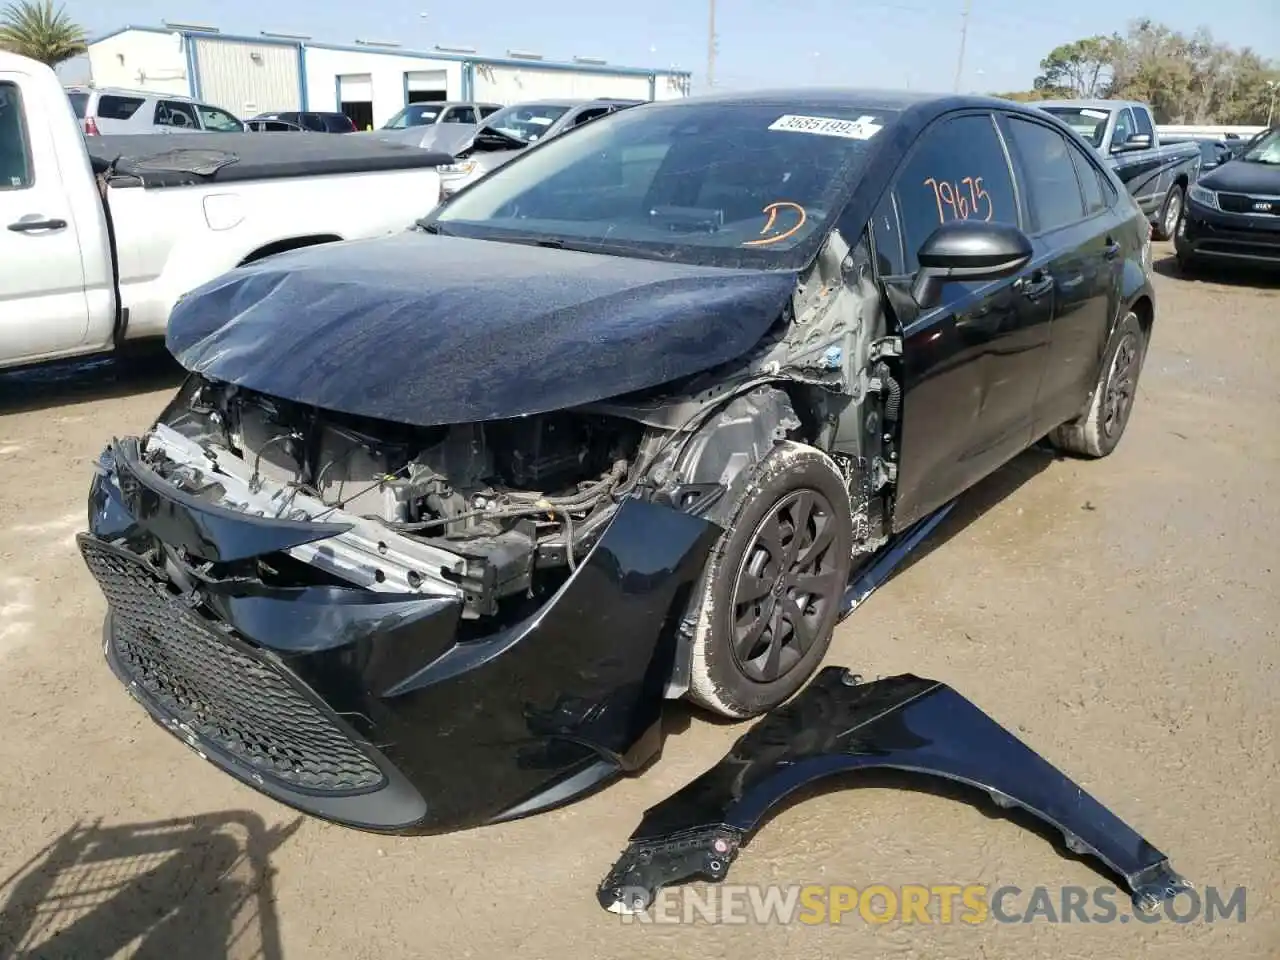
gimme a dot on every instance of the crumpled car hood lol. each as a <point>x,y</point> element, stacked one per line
<point>431,330</point>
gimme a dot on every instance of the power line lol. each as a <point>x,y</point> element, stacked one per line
<point>964,35</point>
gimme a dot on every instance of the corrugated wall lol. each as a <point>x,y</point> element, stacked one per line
<point>248,78</point>
<point>504,83</point>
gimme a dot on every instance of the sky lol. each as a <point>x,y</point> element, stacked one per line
<point>870,43</point>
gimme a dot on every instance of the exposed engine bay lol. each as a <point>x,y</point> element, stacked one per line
<point>508,497</point>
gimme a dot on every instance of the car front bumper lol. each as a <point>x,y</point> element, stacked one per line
<point>1209,233</point>
<point>379,710</point>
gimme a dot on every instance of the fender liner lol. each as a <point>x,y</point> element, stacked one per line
<point>839,725</point>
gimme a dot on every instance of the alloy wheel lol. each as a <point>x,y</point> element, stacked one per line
<point>1121,384</point>
<point>786,581</point>
<point>1173,213</point>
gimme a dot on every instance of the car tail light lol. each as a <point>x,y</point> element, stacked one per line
<point>91,127</point>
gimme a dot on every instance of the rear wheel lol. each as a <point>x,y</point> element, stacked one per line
<point>775,584</point>
<point>1098,431</point>
<point>1171,215</point>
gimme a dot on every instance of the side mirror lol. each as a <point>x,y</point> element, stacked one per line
<point>1136,141</point>
<point>967,250</point>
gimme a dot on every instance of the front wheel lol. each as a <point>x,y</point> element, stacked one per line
<point>1171,215</point>
<point>775,582</point>
<point>1098,431</point>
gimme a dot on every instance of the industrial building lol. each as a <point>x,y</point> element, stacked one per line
<point>369,80</point>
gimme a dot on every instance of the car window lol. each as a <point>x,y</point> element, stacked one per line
<point>1090,181</point>
<point>890,257</point>
<point>1124,127</point>
<point>338,123</point>
<point>708,183</point>
<point>526,122</point>
<point>220,120</point>
<point>1142,124</point>
<point>173,113</point>
<point>586,116</point>
<point>958,171</point>
<point>460,115</point>
<point>313,121</point>
<point>488,111</point>
<point>1047,174</point>
<point>1089,123</point>
<point>78,102</point>
<point>414,115</point>
<point>112,107</point>
<point>15,153</point>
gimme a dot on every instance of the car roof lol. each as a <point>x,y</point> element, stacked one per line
<point>1090,104</point>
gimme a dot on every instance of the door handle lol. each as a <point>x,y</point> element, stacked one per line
<point>1035,286</point>
<point>1111,250</point>
<point>28,226</point>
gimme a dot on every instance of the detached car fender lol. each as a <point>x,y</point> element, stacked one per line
<point>839,725</point>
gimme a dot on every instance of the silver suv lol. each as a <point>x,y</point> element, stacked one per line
<point>112,110</point>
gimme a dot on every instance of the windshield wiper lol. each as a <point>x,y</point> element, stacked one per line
<point>430,226</point>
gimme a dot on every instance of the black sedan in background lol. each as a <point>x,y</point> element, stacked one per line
<point>439,520</point>
<point>1233,213</point>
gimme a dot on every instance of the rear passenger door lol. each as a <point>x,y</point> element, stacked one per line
<point>971,365</point>
<point>1077,245</point>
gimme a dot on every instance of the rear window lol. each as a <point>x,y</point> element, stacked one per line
<point>1091,124</point>
<point>113,107</point>
<point>15,159</point>
<point>78,102</point>
<point>527,122</point>
<point>414,115</point>
<point>338,123</point>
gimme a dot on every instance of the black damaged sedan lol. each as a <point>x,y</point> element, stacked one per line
<point>439,520</point>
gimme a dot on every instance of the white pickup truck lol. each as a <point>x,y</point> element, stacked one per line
<point>95,250</point>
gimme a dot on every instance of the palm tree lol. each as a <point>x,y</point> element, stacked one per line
<point>33,28</point>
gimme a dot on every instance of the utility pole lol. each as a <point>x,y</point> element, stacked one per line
<point>711,45</point>
<point>964,35</point>
<point>1272,85</point>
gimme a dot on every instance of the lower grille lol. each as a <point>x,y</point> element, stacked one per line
<point>218,688</point>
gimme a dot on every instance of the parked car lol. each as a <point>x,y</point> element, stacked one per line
<point>1157,174</point>
<point>1213,152</point>
<point>273,126</point>
<point>446,111</point>
<point>1233,213</point>
<point>89,266</point>
<point>514,128</point>
<point>312,120</point>
<point>439,520</point>
<point>112,110</point>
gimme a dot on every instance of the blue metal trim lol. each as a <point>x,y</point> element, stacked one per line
<point>653,87</point>
<point>468,91</point>
<point>193,66</point>
<point>302,77</point>
<point>405,78</point>
<point>553,65</point>
<point>337,92</point>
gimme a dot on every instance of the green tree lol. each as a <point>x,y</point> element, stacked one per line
<point>40,31</point>
<point>1083,67</point>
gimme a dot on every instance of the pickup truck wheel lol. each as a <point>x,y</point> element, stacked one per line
<point>1171,215</point>
<point>1098,431</point>
<point>774,586</point>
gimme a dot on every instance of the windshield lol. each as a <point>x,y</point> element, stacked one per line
<point>414,115</point>
<point>1089,123</point>
<point>707,183</point>
<point>78,102</point>
<point>527,122</point>
<point>1266,149</point>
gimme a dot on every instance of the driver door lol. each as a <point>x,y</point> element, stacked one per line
<point>972,365</point>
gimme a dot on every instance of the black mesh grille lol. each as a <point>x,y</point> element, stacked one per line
<point>1241,203</point>
<point>227,696</point>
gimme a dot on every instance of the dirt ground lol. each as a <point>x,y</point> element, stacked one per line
<point>1119,615</point>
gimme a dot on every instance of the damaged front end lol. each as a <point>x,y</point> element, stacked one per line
<point>397,628</point>
<point>839,725</point>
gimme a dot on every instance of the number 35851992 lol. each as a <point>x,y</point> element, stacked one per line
<point>963,199</point>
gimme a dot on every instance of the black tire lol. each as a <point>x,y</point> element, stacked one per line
<point>1188,265</point>
<point>747,655</point>
<point>1175,204</point>
<point>1098,431</point>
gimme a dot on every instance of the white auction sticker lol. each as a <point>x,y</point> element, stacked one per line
<point>864,128</point>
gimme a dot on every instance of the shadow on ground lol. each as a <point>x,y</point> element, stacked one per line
<point>194,888</point>
<point>141,369</point>
<point>1224,274</point>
